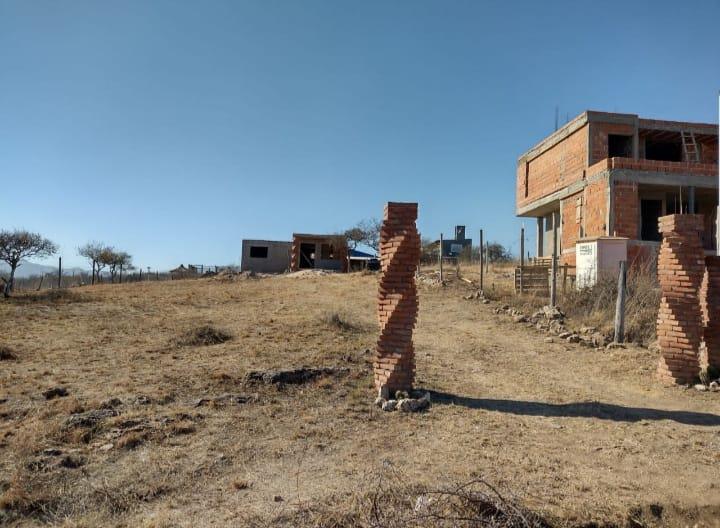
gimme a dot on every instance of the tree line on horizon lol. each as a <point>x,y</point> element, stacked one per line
<point>19,245</point>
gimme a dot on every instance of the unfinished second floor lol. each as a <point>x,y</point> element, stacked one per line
<point>594,142</point>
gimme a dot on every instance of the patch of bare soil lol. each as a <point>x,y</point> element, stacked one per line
<point>147,435</point>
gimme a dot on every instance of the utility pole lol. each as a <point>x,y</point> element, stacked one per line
<point>441,258</point>
<point>481,260</point>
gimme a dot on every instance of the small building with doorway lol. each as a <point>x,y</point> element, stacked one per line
<point>610,174</point>
<point>327,252</point>
<point>265,256</point>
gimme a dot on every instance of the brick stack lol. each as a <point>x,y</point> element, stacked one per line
<point>710,308</point>
<point>394,363</point>
<point>681,266</point>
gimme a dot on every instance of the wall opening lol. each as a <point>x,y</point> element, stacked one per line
<point>258,252</point>
<point>619,146</point>
<point>663,150</point>
<point>650,211</point>
<point>327,252</point>
<point>307,256</point>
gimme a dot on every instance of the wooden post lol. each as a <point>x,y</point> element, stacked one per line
<point>522,257</point>
<point>441,258</point>
<point>140,275</point>
<point>620,305</point>
<point>42,278</point>
<point>553,271</point>
<point>481,260</point>
<point>565,268</point>
<point>59,272</point>
<point>120,276</point>
<point>487,257</point>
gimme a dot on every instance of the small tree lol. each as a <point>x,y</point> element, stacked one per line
<point>120,260</point>
<point>366,232</point>
<point>96,253</point>
<point>496,252</point>
<point>19,245</point>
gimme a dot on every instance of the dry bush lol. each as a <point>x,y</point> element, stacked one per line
<point>340,321</point>
<point>55,296</point>
<point>596,306</point>
<point>7,354</point>
<point>391,502</point>
<point>205,335</point>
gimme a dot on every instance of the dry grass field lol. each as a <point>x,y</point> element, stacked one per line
<point>161,427</point>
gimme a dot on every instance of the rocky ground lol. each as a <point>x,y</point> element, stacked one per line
<point>250,402</point>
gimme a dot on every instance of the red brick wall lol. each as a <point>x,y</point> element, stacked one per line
<point>570,227</point>
<point>599,138</point>
<point>626,210</point>
<point>709,152</point>
<point>596,206</point>
<point>554,169</point>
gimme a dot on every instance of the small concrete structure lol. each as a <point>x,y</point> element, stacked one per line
<point>598,258</point>
<point>265,256</point>
<point>327,252</point>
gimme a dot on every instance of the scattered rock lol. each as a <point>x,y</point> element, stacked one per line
<point>389,405</point>
<point>588,329</point>
<point>564,335</point>
<point>549,340</point>
<point>700,387</point>
<point>614,345</point>
<point>105,447</point>
<point>379,401</point>
<point>520,318</point>
<point>552,312</point>
<point>89,419</point>
<point>225,399</point>
<point>714,386</point>
<point>55,392</point>
<point>278,498</point>
<point>51,451</point>
<point>293,376</point>
<point>111,403</point>
<point>414,404</point>
<point>573,338</point>
<point>142,400</point>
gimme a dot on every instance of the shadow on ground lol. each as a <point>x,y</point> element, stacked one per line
<point>599,410</point>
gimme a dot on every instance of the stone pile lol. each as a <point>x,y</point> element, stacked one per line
<point>394,362</point>
<point>681,266</point>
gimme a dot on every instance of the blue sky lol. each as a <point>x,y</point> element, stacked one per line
<point>175,129</point>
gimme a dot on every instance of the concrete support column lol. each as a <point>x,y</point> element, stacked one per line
<point>539,237</point>
<point>691,200</point>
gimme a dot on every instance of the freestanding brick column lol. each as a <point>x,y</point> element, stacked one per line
<point>681,266</point>
<point>710,307</point>
<point>394,363</point>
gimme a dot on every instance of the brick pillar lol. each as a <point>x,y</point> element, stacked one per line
<point>394,364</point>
<point>681,266</point>
<point>710,308</point>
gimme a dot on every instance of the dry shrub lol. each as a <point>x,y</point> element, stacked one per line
<point>7,354</point>
<point>595,306</point>
<point>55,296</point>
<point>205,335</point>
<point>391,502</point>
<point>339,321</point>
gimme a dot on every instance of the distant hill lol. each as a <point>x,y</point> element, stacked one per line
<point>30,269</point>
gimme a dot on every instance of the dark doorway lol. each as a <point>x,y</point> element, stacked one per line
<point>307,256</point>
<point>619,146</point>
<point>663,150</point>
<point>650,211</point>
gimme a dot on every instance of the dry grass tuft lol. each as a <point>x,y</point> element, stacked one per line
<point>340,321</point>
<point>7,354</point>
<point>205,335</point>
<point>393,503</point>
<point>55,296</point>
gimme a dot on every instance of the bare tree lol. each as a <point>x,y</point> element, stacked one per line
<point>19,245</point>
<point>96,253</point>
<point>366,232</point>
<point>120,260</point>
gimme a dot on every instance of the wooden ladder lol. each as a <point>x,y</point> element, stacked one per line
<point>690,147</point>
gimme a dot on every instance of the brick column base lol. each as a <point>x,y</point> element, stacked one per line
<point>394,364</point>
<point>681,266</point>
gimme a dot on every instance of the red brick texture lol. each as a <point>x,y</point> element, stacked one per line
<point>710,308</point>
<point>626,208</point>
<point>681,266</point>
<point>394,363</point>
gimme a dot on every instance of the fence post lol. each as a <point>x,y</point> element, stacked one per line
<point>522,257</point>
<point>553,271</point>
<point>620,305</point>
<point>565,268</point>
<point>481,260</point>
<point>59,272</point>
<point>441,258</point>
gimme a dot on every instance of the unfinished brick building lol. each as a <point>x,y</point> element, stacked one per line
<point>605,174</point>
